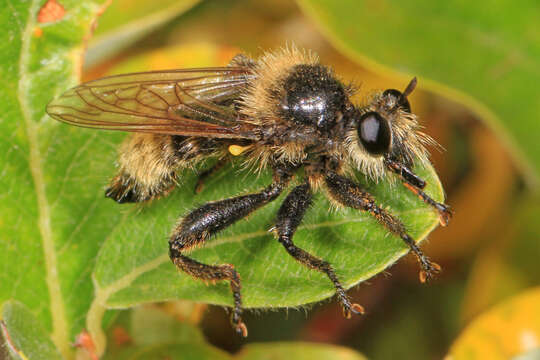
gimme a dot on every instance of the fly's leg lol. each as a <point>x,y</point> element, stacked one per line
<point>289,217</point>
<point>207,173</point>
<point>350,194</point>
<point>415,184</point>
<point>445,211</point>
<point>196,227</point>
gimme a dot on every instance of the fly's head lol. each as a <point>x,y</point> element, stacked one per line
<point>386,130</point>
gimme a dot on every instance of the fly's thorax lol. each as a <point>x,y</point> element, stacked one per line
<point>260,101</point>
<point>311,96</point>
<point>295,102</point>
<point>292,88</point>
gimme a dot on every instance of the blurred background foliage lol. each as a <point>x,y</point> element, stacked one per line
<point>478,96</point>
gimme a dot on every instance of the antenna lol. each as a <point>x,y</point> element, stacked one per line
<point>409,89</point>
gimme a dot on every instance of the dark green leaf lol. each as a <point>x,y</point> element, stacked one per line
<point>133,265</point>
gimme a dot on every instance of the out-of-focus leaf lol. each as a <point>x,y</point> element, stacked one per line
<point>52,221</point>
<point>489,51</point>
<point>178,57</point>
<point>156,334</point>
<point>152,326</point>
<point>126,21</point>
<point>509,329</point>
<point>296,350</point>
<point>133,265</point>
<point>508,263</point>
<point>24,336</point>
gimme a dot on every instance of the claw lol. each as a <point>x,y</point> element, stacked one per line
<point>428,270</point>
<point>357,309</point>
<point>423,276</point>
<point>445,214</point>
<point>353,309</point>
<point>241,329</point>
<point>346,313</point>
<point>436,266</point>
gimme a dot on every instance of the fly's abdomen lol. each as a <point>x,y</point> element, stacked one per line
<point>149,164</point>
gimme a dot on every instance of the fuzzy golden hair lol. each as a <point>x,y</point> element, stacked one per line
<point>146,163</point>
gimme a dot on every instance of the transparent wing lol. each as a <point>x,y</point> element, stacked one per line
<point>192,102</point>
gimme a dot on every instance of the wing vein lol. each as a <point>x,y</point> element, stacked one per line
<point>195,102</point>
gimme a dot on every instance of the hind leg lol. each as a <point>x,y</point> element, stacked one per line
<point>200,224</point>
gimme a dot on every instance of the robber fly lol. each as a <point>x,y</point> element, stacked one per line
<point>284,111</point>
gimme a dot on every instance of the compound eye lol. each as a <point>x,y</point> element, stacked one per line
<point>374,133</point>
<point>394,97</point>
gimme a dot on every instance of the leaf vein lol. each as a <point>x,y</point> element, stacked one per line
<point>60,334</point>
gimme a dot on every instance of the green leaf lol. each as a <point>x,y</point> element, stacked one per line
<point>484,55</point>
<point>133,266</point>
<point>51,219</point>
<point>296,350</point>
<point>127,21</point>
<point>24,335</point>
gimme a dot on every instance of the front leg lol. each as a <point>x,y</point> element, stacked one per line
<point>348,193</point>
<point>196,227</point>
<point>415,184</point>
<point>289,216</point>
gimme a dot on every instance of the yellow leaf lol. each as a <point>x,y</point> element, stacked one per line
<point>507,330</point>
